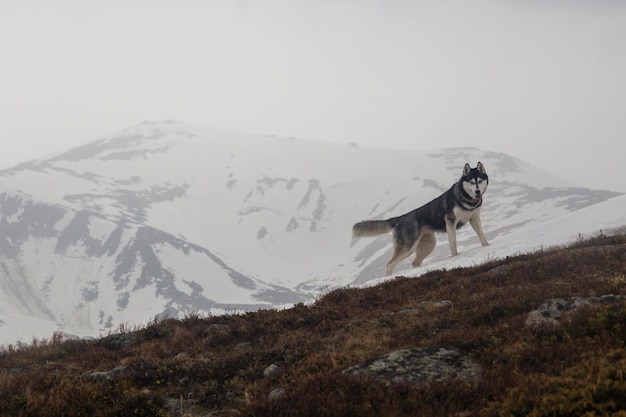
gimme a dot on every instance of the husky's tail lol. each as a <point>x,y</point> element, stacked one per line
<point>371,228</point>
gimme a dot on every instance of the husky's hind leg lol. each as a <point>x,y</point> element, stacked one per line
<point>424,248</point>
<point>399,253</point>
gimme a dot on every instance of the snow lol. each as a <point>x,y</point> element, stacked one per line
<point>604,218</point>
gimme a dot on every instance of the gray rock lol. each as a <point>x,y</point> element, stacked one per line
<point>424,365</point>
<point>181,406</point>
<point>120,340</point>
<point>243,346</point>
<point>276,394</point>
<point>107,375</point>
<point>440,304</point>
<point>181,357</point>
<point>549,313</point>
<point>271,370</point>
<point>219,327</point>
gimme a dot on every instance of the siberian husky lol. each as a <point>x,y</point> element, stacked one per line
<point>415,231</point>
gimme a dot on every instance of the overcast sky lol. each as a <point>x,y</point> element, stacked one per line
<point>544,81</point>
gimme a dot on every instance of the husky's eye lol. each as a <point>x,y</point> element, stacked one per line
<point>472,182</point>
<point>480,181</point>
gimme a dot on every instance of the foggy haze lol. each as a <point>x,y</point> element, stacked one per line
<point>542,81</point>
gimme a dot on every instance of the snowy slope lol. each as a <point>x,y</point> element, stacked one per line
<point>168,218</point>
<point>608,217</point>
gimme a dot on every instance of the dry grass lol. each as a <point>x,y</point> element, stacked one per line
<point>201,366</point>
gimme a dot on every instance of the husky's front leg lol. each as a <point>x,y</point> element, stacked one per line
<point>451,230</point>
<point>478,228</point>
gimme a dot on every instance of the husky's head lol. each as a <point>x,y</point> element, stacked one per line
<point>474,181</point>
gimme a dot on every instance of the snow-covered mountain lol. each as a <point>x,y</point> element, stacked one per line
<point>169,218</point>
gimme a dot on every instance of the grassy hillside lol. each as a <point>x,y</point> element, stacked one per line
<point>291,362</point>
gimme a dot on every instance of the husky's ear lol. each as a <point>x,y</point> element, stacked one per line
<point>481,168</point>
<point>466,169</point>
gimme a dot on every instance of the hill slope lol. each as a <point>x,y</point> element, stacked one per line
<point>295,361</point>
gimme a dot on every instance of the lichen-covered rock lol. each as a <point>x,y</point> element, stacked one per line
<point>426,365</point>
<point>107,375</point>
<point>276,394</point>
<point>271,370</point>
<point>120,340</point>
<point>549,313</point>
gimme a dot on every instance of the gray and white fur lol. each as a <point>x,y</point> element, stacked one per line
<point>415,231</point>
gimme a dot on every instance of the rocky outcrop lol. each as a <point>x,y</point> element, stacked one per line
<point>107,375</point>
<point>550,313</point>
<point>120,340</point>
<point>425,365</point>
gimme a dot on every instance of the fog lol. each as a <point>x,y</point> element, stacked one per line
<point>542,81</point>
